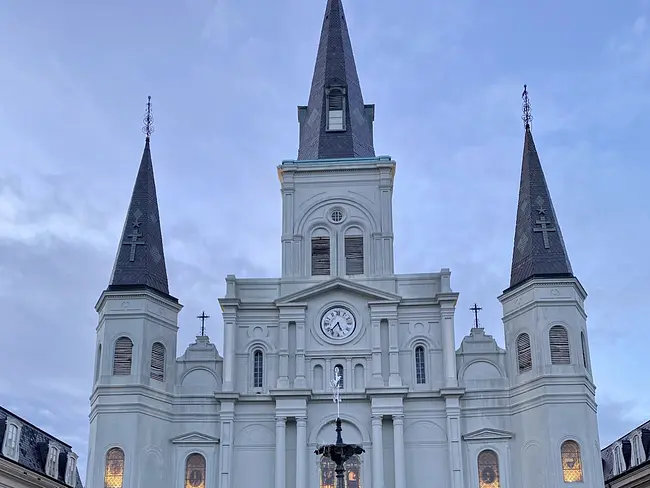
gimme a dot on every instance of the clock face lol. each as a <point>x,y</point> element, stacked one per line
<point>338,323</point>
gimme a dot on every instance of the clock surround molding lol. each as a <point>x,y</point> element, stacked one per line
<point>318,332</point>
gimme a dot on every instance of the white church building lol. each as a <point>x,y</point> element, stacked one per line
<point>426,413</point>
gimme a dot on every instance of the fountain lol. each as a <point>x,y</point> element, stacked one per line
<point>339,452</point>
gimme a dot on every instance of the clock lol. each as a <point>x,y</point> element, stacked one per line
<point>338,323</point>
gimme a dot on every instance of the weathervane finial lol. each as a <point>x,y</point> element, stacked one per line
<point>148,120</point>
<point>527,116</point>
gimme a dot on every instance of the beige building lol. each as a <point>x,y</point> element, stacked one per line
<point>626,462</point>
<point>31,458</point>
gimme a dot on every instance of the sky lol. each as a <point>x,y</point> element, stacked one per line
<point>225,78</point>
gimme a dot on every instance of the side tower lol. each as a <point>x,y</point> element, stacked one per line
<point>552,389</point>
<point>337,196</point>
<point>136,346</point>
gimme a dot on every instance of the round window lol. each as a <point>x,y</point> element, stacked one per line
<point>336,216</point>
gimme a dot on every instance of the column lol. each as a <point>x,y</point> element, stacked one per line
<point>283,367</point>
<point>452,404</point>
<point>301,452</point>
<point>227,416</point>
<point>280,452</point>
<point>301,380</point>
<point>394,379</point>
<point>400,460</point>
<point>451,377</point>
<point>229,319</point>
<point>377,453</point>
<point>377,379</point>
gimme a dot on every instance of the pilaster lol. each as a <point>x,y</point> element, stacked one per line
<point>379,311</point>
<point>377,379</point>
<point>292,313</point>
<point>400,459</point>
<point>452,411</point>
<point>227,418</point>
<point>447,309</point>
<point>280,451</point>
<point>229,307</point>
<point>377,452</point>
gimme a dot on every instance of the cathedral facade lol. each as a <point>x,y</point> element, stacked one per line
<point>426,413</point>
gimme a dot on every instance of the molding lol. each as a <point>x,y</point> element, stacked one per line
<point>488,434</point>
<point>338,284</point>
<point>194,438</point>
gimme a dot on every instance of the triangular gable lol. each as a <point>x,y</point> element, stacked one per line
<point>195,438</point>
<point>338,284</point>
<point>487,434</point>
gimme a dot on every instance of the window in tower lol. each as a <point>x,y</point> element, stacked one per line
<point>320,256</point>
<point>559,342</point>
<point>571,462</point>
<point>258,369</point>
<point>420,373</point>
<point>488,469</point>
<point>195,471</point>
<point>123,356</point>
<point>157,362</point>
<point>524,353</point>
<point>336,109</point>
<point>114,471</point>
<point>353,252</point>
<point>583,341</point>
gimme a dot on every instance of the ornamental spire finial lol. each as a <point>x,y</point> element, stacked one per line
<point>527,116</point>
<point>148,120</point>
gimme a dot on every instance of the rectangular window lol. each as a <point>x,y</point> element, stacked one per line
<point>320,256</point>
<point>11,444</point>
<point>354,255</point>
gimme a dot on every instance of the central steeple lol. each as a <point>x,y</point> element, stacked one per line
<point>336,124</point>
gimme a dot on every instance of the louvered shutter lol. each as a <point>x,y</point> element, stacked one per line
<point>559,341</point>
<point>584,349</point>
<point>524,354</point>
<point>354,255</point>
<point>123,356</point>
<point>157,362</point>
<point>320,256</point>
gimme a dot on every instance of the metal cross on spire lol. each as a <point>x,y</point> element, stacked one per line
<point>476,310</point>
<point>202,317</point>
<point>148,120</point>
<point>336,384</point>
<point>527,116</point>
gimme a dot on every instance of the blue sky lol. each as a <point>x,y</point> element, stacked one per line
<point>226,77</point>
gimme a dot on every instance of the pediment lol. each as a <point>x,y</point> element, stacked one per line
<point>338,284</point>
<point>195,438</point>
<point>487,434</point>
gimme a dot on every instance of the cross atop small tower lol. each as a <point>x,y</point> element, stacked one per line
<point>202,318</point>
<point>476,310</point>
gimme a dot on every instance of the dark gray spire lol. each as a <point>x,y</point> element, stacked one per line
<point>539,249</point>
<point>140,260</point>
<point>335,87</point>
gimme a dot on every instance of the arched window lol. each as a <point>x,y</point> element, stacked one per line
<point>98,362</point>
<point>583,341</point>
<point>336,109</point>
<point>420,371</point>
<point>157,362</point>
<point>338,371</point>
<point>571,462</point>
<point>195,471</point>
<point>619,460</point>
<point>123,356</point>
<point>258,369</point>
<point>637,450</point>
<point>488,469</point>
<point>11,441</point>
<point>320,253</point>
<point>558,339</point>
<point>353,244</point>
<point>114,471</point>
<point>52,463</point>
<point>352,473</point>
<point>524,353</point>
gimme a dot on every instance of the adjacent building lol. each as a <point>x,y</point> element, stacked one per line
<point>426,413</point>
<point>626,462</point>
<point>32,458</point>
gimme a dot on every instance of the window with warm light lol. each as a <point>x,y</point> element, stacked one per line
<point>571,462</point>
<point>114,471</point>
<point>195,471</point>
<point>488,470</point>
<point>352,473</point>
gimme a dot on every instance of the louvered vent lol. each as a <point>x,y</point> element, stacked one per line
<point>157,362</point>
<point>320,256</point>
<point>354,255</point>
<point>584,348</point>
<point>123,356</point>
<point>524,354</point>
<point>559,341</point>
